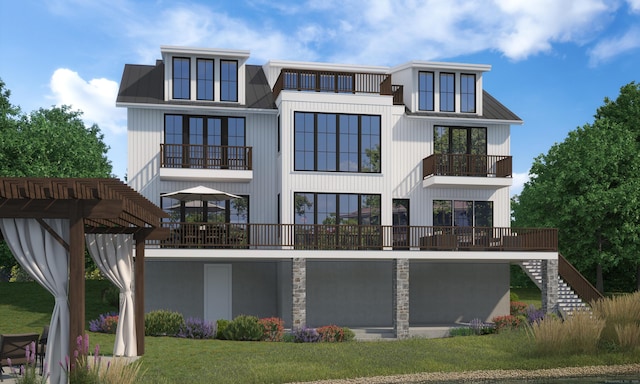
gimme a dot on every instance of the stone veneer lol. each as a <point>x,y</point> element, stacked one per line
<point>550,286</point>
<point>299,279</point>
<point>401,298</point>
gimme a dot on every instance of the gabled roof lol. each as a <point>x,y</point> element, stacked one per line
<point>492,109</point>
<point>144,84</point>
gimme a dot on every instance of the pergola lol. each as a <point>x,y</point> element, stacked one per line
<point>106,207</point>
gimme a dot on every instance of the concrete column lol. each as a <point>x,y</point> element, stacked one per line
<point>299,305</point>
<point>401,298</point>
<point>550,286</point>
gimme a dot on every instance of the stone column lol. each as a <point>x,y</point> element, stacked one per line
<point>299,280</point>
<point>401,298</point>
<point>550,286</point>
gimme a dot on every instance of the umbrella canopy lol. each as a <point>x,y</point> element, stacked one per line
<point>200,193</point>
<point>196,205</point>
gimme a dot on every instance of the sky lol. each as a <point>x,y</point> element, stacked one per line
<point>553,61</point>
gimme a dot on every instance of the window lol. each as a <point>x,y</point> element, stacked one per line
<point>425,89</point>
<point>337,142</point>
<point>204,142</point>
<point>228,80</point>
<point>204,73</point>
<point>465,147</point>
<point>337,208</point>
<point>447,92</point>
<point>467,93</point>
<point>181,78</point>
<point>459,213</point>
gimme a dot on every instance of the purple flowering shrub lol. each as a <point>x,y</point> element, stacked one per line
<point>534,316</point>
<point>105,323</point>
<point>306,335</point>
<point>194,328</point>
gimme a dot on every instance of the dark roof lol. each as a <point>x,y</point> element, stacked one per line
<point>145,84</point>
<point>492,109</point>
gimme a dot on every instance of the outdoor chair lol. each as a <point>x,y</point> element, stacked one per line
<point>42,346</point>
<point>14,347</point>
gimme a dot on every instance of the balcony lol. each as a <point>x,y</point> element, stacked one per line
<point>206,162</point>
<point>359,237</point>
<point>338,82</point>
<point>462,170</point>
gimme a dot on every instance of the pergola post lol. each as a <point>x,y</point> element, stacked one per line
<point>139,293</point>
<point>76,274</point>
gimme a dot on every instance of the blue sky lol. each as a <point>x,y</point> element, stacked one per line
<point>553,61</point>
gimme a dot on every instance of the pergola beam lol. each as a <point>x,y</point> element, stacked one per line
<point>59,209</point>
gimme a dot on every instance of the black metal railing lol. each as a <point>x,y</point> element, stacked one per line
<point>448,164</point>
<point>205,156</point>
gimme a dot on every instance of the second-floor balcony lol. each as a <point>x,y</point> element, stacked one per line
<point>338,82</point>
<point>206,162</point>
<point>449,170</point>
<point>358,237</point>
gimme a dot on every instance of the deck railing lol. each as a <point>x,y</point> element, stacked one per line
<point>580,285</point>
<point>337,82</point>
<point>358,237</point>
<point>448,164</point>
<point>205,156</point>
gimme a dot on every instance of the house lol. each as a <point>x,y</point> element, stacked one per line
<point>369,196</point>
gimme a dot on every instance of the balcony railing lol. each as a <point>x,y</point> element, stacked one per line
<point>205,156</point>
<point>358,237</point>
<point>337,82</point>
<point>449,164</point>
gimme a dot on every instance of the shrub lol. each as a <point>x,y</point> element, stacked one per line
<point>272,328</point>
<point>506,322</point>
<point>162,323</point>
<point>19,275</point>
<point>618,311</point>
<point>461,331</point>
<point>349,335</point>
<point>518,308</point>
<point>513,296</point>
<point>221,325</point>
<point>479,327</point>
<point>577,334</point>
<point>331,333</point>
<point>534,315</point>
<point>194,328</point>
<point>306,335</point>
<point>111,296</point>
<point>628,336</point>
<point>105,323</point>
<point>244,328</point>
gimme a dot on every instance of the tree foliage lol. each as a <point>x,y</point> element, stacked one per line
<point>588,187</point>
<point>47,143</point>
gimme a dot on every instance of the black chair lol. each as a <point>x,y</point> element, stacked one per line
<point>42,347</point>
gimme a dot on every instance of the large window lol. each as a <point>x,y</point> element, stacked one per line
<point>181,78</point>
<point>228,80</point>
<point>337,142</point>
<point>205,79</point>
<point>204,142</point>
<point>461,213</point>
<point>337,208</point>
<point>467,93</point>
<point>460,140</point>
<point>425,89</point>
<point>447,92</point>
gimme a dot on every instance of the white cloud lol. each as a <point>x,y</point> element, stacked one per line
<point>634,5</point>
<point>519,180</point>
<point>610,48</point>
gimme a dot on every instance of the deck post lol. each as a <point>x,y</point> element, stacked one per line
<point>299,292</point>
<point>550,286</point>
<point>401,298</point>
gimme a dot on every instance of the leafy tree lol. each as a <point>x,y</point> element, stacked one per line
<point>47,143</point>
<point>589,188</point>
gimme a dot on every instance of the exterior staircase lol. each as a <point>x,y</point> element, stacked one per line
<point>568,300</point>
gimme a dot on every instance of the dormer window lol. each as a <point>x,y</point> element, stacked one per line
<point>229,80</point>
<point>447,92</point>
<point>425,85</point>
<point>181,78</point>
<point>205,79</point>
<point>467,93</point>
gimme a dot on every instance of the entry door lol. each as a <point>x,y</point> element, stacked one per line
<point>217,292</point>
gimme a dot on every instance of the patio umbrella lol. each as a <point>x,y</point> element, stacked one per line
<point>196,205</point>
<point>200,193</point>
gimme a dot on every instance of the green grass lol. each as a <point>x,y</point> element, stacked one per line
<point>529,296</point>
<point>26,307</point>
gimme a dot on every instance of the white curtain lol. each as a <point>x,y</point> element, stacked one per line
<point>46,260</point>
<point>113,253</point>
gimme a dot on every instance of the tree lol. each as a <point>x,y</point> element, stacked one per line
<point>589,188</point>
<point>48,143</point>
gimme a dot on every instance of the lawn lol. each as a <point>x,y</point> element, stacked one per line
<point>25,307</point>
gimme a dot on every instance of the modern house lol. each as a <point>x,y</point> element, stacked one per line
<point>368,196</point>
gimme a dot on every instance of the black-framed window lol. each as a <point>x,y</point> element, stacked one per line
<point>462,213</point>
<point>204,141</point>
<point>205,81</point>
<point>228,80</point>
<point>425,91</point>
<point>227,211</point>
<point>467,93</point>
<point>337,142</point>
<point>337,208</point>
<point>447,92</point>
<point>181,77</point>
<point>460,140</point>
